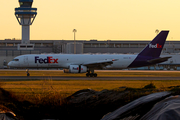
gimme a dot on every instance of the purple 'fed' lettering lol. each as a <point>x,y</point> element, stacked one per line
<point>49,59</point>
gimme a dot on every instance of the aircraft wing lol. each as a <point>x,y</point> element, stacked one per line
<point>159,60</point>
<point>171,64</point>
<point>99,64</point>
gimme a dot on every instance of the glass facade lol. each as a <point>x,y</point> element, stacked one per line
<point>25,4</point>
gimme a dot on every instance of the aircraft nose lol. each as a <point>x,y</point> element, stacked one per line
<point>9,64</point>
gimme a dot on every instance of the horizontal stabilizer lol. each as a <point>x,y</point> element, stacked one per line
<point>171,64</point>
<point>158,60</point>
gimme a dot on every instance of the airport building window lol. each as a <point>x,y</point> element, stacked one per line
<point>125,45</point>
<point>95,45</point>
<point>9,53</point>
<point>10,44</point>
<point>111,45</point>
<point>134,45</point>
<point>118,45</point>
<point>29,46</point>
<point>48,44</point>
<point>103,45</point>
<point>25,4</point>
<point>15,44</point>
<point>2,52</point>
<point>37,44</point>
<point>142,45</point>
<point>2,44</point>
<point>22,46</point>
<point>87,45</point>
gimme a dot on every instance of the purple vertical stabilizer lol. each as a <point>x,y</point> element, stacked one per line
<point>154,48</point>
<point>151,51</point>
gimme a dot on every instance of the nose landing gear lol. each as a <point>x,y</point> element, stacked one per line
<point>27,71</point>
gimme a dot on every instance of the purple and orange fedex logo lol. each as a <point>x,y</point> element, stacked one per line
<point>49,59</point>
<point>155,46</point>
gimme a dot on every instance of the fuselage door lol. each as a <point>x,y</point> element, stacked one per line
<point>26,64</point>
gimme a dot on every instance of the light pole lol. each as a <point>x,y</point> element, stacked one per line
<point>157,31</point>
<point>74,30</point>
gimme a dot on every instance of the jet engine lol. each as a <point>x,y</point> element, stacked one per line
<point>76,69</point>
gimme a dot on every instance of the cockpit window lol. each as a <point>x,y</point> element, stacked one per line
<point>15,59</point>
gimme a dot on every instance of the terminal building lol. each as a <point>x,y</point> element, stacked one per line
<point>8,48</point>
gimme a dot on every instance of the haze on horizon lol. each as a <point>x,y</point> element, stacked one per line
<point>94,19</point>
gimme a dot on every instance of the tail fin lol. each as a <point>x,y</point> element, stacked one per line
<point>154,48</point>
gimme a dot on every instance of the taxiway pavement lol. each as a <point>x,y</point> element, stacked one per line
<point>83,78</point>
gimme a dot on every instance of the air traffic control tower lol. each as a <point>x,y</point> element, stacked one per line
<point>25,15</point>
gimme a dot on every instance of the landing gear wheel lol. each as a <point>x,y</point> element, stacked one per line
<point>95,75</point>
<point>27,71</point>
<point>28,74</point>
<point>87,75</point>
<point>91,75</point>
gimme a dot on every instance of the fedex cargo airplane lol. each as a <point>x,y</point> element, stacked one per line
<point>87,63</point>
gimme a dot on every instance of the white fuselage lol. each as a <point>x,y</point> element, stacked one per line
<point>65,60</point>
<point>87,63</point>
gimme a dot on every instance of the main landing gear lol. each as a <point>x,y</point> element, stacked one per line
<point>27,71</point>
<point>92,74</point>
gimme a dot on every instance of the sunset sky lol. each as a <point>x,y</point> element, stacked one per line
<point>94,19</point>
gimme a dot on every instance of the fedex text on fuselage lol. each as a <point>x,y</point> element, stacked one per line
<point>49,59</point>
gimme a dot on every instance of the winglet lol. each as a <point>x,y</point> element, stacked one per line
<point>154,48</point>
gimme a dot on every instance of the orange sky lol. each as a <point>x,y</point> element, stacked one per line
<point>94,19</point>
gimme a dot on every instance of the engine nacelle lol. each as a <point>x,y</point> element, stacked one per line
<point>76,69</point>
